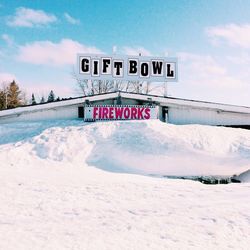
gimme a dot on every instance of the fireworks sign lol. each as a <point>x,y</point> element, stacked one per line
<point>119,112</point>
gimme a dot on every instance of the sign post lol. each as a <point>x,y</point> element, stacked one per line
<point>165,89</point>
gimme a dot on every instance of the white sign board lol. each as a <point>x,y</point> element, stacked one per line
<point>119,112</point>
<point>133,68</point>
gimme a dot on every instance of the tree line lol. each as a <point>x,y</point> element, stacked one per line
<point>11,96</point>
<point>51,98</point>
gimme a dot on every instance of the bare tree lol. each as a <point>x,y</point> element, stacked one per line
<point>91,87</point>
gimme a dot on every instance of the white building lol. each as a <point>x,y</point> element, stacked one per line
<point>171,110</point>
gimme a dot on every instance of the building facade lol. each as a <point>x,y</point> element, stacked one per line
<point>171,110</point>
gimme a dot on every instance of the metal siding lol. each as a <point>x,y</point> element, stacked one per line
<point>179,111</point>
<point>68,112</point>
<point>206,117</point>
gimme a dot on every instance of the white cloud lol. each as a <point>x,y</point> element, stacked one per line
<point>6,77</point>
<point>205,70</point>
<point>135,51</point>
<point>232,34</point>
<point>25,17</point>
<point>204,77</point>
<point>71,20</point>
<point>57,54</point>
<point>7,39</point>
<point>204,65</point>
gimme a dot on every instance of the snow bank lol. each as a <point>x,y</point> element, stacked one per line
<point>150,147</point>
<point>244,177</point>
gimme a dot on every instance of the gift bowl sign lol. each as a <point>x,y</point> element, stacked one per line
<point>134,68</point>
<point>119,112</point>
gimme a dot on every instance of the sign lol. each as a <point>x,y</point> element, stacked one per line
<point>119,112</point>
<point>131,68</point>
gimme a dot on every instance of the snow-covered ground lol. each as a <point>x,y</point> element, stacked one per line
<point>70,185</point>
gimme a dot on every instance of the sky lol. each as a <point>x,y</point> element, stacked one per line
<point>39,41</point>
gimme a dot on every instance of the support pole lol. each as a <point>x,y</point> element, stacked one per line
<point>165,89</point>
<point>6,100</point>
<point>114,49</point>
<point>115,86</point>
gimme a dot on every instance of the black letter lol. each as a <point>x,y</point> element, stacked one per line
<point>118,66</point>
<point>132,67</point>
<point>105,64</point>
<point>170,73</point>
<point>95,72</point>
<point>157,67</point>
<point>144,69</point>
<point>85,65</point>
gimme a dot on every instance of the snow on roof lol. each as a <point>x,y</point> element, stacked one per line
<point>164,101</point>
<point>56,104</point>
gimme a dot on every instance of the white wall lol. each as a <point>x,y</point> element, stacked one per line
<point>186,115</point>
<point>66,112</point>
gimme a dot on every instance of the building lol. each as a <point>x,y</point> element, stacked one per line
<point>171,110</point>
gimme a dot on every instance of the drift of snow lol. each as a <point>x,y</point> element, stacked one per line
<point>244,177</point>
<point>55,195</point>
<point>133,147</point>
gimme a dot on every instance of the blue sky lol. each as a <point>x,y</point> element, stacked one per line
<point>39,40</point>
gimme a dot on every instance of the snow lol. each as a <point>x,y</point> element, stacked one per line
<point>74,185</point>
<point>134,147</point>
<point>244,177</point>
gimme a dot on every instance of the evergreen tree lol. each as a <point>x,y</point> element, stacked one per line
<point>3,97</point>
<point>51,97</point>
<point>42,100</point>
<point>13,95</point>
<point>33,99</point>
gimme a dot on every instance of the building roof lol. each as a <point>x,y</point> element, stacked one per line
<point>164,101</point>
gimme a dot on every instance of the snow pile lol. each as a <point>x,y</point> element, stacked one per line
<point>244,177</point>
<point>150,147</point>
<point>55,195</point>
